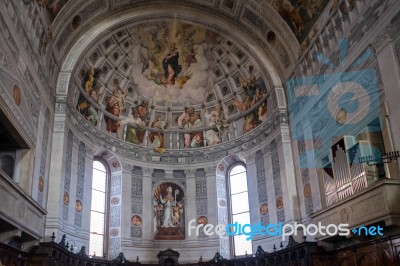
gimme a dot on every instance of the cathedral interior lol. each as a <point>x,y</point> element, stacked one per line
<point>215,132</point>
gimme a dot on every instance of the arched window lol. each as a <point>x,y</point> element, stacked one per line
<point>98,210</point>
<point>239,208</point>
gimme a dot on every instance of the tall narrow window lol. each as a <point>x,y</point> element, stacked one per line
<point>98,210</point>
<point>239,207</point>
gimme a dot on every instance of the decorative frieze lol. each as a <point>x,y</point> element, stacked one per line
<point>201,199</point>
<point>136,231</point>
<point>80,186</point>
<point>114,247</point>
<point>137,205</point>
<point>116,185</point>
<point>201,188</point>
<point>115,207</point>
<point>115,216</point>
<point>277,183</point>
<point>221,188</point>
<point>137,201</point>
<point>63,81</point>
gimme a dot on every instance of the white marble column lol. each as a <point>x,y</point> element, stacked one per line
<point>190,201</point>
<point>148,210</point>
<point>56,175</point>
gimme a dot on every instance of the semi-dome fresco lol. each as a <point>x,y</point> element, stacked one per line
<point>143,82</point>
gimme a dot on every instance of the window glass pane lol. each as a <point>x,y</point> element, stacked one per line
<point>238,183</point>
<point>99,180</point>
<point>239,200</point>
<point>98,201</point>
<point>98,208</point>
<point>237,169</point>
<point>242,245</point>
<point>243,218</point>
<point>240,203</point>
<point>97,222</point>
<point>99,166</point>
<point>96,245</point>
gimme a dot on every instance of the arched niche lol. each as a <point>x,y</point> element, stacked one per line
<point>169,211</point>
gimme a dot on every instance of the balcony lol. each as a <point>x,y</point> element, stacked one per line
<point>376,203</point>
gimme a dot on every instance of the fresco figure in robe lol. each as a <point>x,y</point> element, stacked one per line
<point>169,203</point>
<point>191,120</point>
<point>134,133</point>
<point>90,85</point>
<point>115,104</point>
<point>214,118</point>
<point>157,137</point>
<point>250,120</point>
<point>171,65</point>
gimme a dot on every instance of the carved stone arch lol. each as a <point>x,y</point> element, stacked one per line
<point>114,166</point>
<point>108,158</point>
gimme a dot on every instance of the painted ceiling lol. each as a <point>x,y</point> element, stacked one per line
<point>149,70</point>
<point>171,63</point>
<point>300,15</point>
<point>150,74</point>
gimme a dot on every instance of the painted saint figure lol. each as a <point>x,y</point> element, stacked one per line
<point>115,104</point>
<point>90,86</point>
<point>169,221</point>
<point>215,118</point>
<point>169,203</point>
<point>250,120</point>
<point>134,134</point>
<point>195,139</point>
<point>157,137</point>
<point>191,120</point>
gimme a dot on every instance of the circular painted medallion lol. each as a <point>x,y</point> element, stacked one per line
<point>41,184</point>
<point>17,95</point>
<point>136,220</point>
<point>279,202</point>
<point>222,203</point>
<point>114,200</point>
<point>66,198</point>
<point>78,205</point>
<point>114,232</point>
<point>264,209</point>
<point>202,220</point>
<point>307,190</point>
